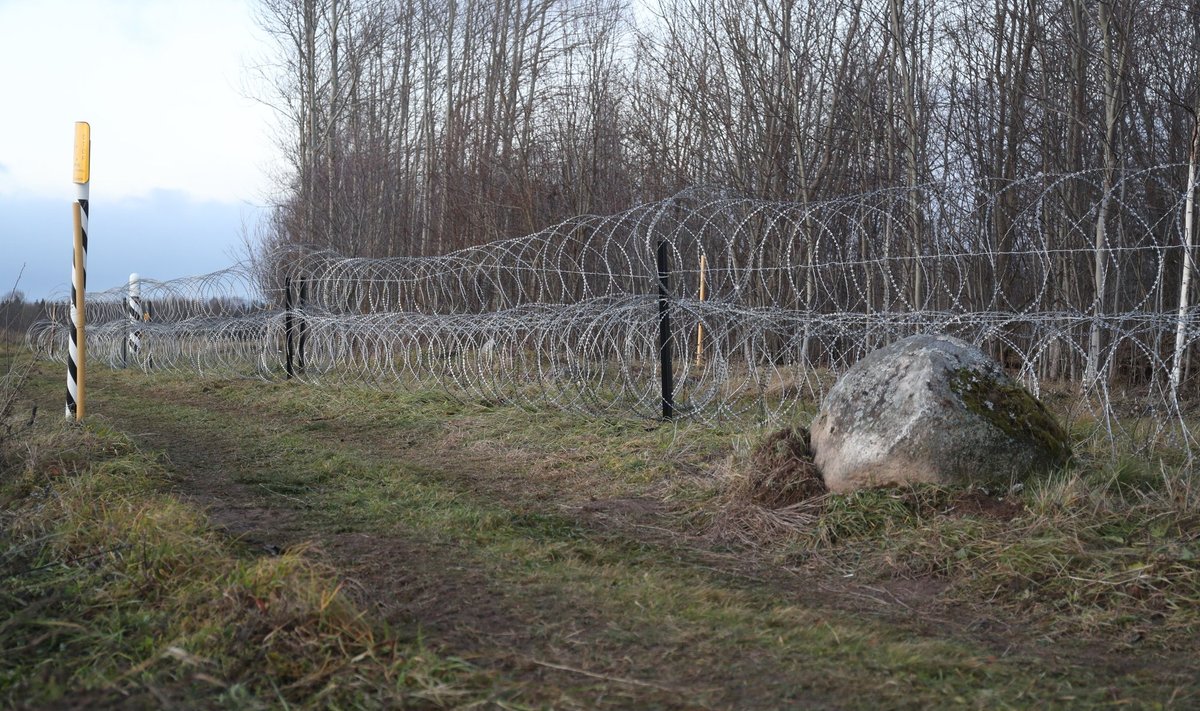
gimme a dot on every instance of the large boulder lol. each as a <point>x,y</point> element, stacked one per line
<point>932,409</point>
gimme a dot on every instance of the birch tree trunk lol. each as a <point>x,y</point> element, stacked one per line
<point>1188,267</point>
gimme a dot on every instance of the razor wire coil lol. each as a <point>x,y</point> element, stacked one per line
<point>796,293</point>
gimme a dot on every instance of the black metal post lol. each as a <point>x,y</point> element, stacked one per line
<point>664,333</point>
<point>303,323</point>
<point>287,327</point>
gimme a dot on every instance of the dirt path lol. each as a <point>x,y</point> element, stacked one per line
<point>531,635</point>
<point>520,589</point>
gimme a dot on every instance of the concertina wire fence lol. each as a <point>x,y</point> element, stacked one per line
<point>767,303</point>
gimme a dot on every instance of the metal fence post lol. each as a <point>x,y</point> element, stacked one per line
<point>664,332</point>
<point>303,325</point>
<point>287,327</point>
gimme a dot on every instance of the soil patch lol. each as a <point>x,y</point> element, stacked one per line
<point>973,502</point>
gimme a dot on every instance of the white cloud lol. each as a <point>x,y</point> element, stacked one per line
<point>160,81</point>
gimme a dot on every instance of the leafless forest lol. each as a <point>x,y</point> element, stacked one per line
<point>415,127</point>
<point>1053,142</point>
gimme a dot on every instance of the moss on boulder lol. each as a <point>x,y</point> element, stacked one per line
<point>1013,410</point>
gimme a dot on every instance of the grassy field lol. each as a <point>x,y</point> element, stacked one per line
<point>236,544</point>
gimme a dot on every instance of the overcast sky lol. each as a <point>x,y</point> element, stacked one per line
<point>183,159</point>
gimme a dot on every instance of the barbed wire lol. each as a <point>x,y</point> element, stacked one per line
<point>767,301</point>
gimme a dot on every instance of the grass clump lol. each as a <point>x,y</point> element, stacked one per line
<point>1076,552</point>
<point>112,592</point>
<point>776,491</point>
<point>13,421</point>
<point>783,472</point>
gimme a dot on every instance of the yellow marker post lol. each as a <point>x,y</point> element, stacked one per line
<point>76,352</point>
<point>700,326</point>
<point>83,152</point>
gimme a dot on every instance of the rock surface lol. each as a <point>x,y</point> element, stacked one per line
<point>932,409</point>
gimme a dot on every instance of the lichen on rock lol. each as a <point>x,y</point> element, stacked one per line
<point>1013,410</point>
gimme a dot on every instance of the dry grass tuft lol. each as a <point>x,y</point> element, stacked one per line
<point>782,472</point>
<point>774,490</point>
<point>13,421</point>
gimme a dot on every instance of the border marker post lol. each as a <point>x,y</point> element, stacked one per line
<point>134,314</point>
<point>77,349</point>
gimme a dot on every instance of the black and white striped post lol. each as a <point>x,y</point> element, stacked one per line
<point>133,311</point>
<point>77,350</point>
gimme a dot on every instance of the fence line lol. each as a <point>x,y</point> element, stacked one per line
<point>794,294</point>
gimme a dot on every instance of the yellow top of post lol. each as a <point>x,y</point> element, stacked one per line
<point>83,152</point>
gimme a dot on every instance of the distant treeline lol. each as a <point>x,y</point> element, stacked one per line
<point>1051,143</point>
<point>17,315</point>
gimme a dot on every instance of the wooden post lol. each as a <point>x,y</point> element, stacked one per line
<point>700,325</point>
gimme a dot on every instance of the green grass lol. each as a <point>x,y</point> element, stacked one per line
<point>482,502</point>
<point>112,592</point>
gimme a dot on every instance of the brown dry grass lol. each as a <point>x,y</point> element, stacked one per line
<point>782,470</point>
<point>775,489</point>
